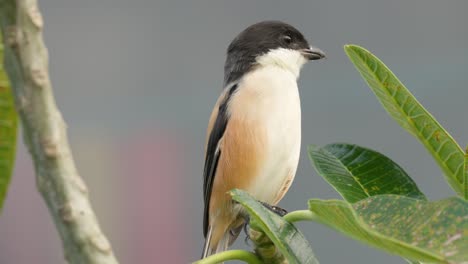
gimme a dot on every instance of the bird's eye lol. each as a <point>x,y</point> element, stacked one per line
<point>287,39</point>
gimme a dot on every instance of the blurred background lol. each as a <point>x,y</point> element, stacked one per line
<point>136,82</point>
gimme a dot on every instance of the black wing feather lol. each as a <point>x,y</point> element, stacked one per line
<point>213,153</point>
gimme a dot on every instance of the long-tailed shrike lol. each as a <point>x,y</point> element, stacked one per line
<point>254,132</point>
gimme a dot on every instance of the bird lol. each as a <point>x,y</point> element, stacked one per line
<point>254,131</point>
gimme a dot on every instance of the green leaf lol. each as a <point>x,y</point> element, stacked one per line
<point>434,232</point>
<point>465,175</point>
<point>8,126</point>
<point>358,173</point>
<point>289,241</point>
<point>410,114</point>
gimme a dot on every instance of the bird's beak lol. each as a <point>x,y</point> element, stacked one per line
<point>313,53</point>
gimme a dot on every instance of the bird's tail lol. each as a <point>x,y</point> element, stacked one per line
<point>211,247</point>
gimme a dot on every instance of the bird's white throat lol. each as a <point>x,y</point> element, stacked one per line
<point>288,59</point>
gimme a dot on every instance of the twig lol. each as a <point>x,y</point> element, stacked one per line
<point>237,254</point>
<point>300,215</point>
<point>66,195</point>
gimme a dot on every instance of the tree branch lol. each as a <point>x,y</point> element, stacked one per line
<point>44,131</point>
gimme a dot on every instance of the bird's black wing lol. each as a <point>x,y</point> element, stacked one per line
<point>213,152</point>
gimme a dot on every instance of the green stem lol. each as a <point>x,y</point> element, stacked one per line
<point>237,254</point>
<point>300,215</point>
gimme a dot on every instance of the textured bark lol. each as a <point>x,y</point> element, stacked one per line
<point>44,131</point>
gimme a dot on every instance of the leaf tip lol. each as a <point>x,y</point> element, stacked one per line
<point>351,47</point>
<point>233,192</point>
<point>312,147</point>
<point>238,194</point>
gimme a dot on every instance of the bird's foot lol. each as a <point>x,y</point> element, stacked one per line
<point>275,209</point>
<point>246,229</point>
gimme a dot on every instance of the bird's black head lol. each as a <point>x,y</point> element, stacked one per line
<point>258,40</point>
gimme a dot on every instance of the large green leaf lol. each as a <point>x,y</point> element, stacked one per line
<point>291,242</point>
<point>358,173</point>
<point>434,232</point>
<point>8,125</point>
<point>465,175</point>
<point>410,114</point>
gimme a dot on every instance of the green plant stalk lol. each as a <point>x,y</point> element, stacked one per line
<point>300,215</point>
<point>265,249</point>
<point>289,242</point>
<point>237,254</point>
<point>44,131</point>
<point>264,246</point>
